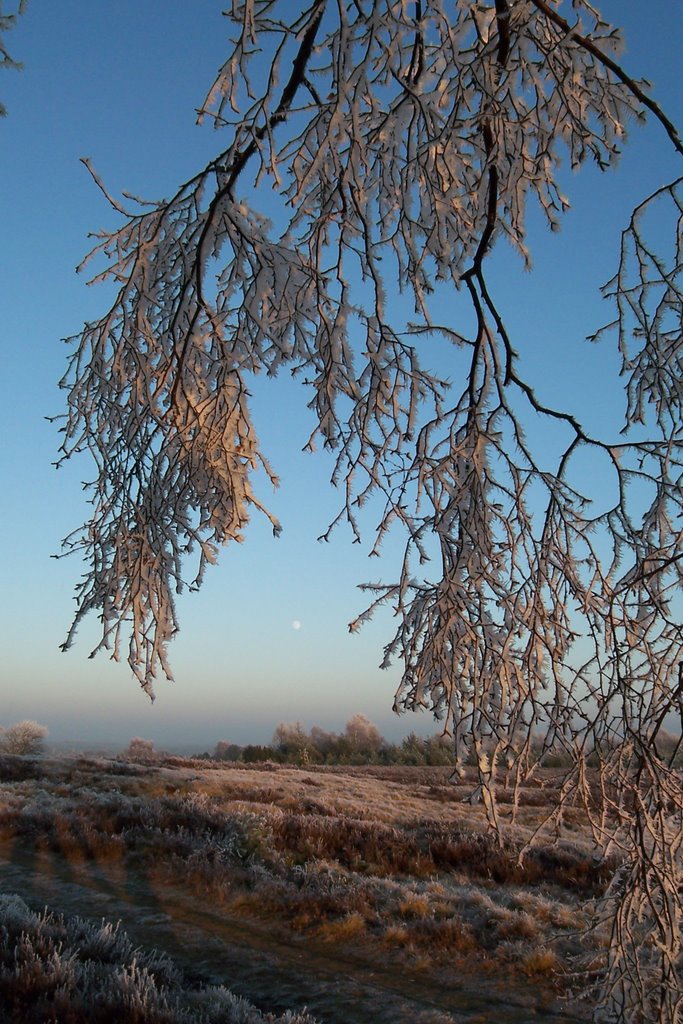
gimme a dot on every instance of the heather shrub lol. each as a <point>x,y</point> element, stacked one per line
<point>58,970</point>
<point>367,847</point>
<point>13,769</point>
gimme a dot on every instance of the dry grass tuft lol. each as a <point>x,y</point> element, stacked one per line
<point>540,962</point>
<point>414,905</point>
<point>513,925</point>
<point>396,935</point>
<point>344,930</point>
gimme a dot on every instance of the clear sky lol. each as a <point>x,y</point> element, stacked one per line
<point>118,83</point>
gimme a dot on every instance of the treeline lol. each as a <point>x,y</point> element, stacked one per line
<point>360,743</point>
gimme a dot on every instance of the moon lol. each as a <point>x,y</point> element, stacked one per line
<point>296,624</point>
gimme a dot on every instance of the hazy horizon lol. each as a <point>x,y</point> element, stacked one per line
<point>202,736</point>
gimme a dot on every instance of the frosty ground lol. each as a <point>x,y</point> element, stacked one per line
<point>250,893</point>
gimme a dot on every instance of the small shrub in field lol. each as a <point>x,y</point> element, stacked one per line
<point>26,737</point>
<point>366,847</point>
<point>225,751</point>
<point>141,750</point>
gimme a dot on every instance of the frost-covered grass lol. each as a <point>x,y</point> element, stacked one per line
<point>388,858</point>
<point>60,970</point>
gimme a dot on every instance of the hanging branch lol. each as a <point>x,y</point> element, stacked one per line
<point>7,22</point>
<point>404,145</point>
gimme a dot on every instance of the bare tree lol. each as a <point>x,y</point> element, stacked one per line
<point>405,141</point>
<point>363,735</point>
<point>26,737</point>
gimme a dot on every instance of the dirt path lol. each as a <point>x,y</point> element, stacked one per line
<point>266,964</point>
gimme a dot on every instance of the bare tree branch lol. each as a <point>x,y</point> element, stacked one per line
<point>404,145</point>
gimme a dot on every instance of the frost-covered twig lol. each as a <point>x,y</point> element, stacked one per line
<point>7,21</point>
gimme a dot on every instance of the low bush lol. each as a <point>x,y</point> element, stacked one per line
<point>26,737</point>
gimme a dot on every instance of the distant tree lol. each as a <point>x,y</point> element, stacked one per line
<point>224,751</point>
<point>363,737</point>
<point>323,742</point>
<point>254,753</point>
<point>412,750</point>
<point>404,141</point>
<point>292,743</point>
<point>438,750</point>
<point>26,737</point>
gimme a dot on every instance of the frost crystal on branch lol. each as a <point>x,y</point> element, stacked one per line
<point>404,141</point>
<point>7,21</point>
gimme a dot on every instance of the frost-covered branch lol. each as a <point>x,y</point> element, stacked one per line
<point>7,21</point>
<point>405,144</point>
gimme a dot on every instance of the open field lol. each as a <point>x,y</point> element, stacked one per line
<point>362,893</point>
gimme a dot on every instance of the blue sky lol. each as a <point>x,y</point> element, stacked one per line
<point>118,83</point>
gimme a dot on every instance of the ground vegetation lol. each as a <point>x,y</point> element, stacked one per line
<point>391,860</point>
